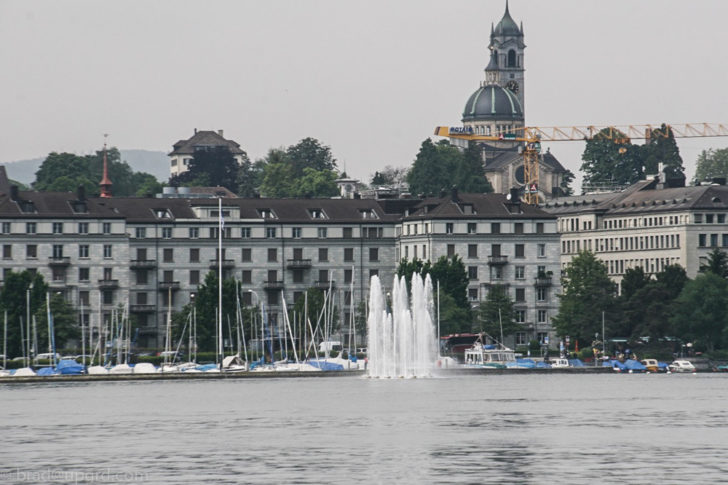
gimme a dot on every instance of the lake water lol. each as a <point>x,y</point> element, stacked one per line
<point>551,428</point>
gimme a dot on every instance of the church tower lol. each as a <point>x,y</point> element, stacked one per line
<point>506,43</point>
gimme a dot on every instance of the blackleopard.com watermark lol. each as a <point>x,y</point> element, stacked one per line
<point>51,475</point>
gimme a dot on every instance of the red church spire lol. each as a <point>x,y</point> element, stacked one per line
<point>105,180</point>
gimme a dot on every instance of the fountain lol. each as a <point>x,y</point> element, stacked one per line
<point>401,342</point>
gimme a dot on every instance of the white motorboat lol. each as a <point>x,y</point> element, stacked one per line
<point>681,366</point>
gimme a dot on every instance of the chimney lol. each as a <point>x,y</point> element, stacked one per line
<point>454,193</point>
<point>357,195</point>
<point>14,195</point>
<point>219,132</point>
<point>515,199</point>
<point>442,193</point>
<point>81,193</point>
<point>195,131</point>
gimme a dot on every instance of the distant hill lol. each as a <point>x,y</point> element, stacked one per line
<point>155,163</point>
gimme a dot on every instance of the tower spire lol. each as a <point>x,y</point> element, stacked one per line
<point>105,183</point>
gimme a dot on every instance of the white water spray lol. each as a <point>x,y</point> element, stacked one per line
<point>401,342</point>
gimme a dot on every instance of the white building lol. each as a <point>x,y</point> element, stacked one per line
<point>184,150</point>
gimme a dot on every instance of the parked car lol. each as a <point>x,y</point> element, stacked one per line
<point>682,366</point>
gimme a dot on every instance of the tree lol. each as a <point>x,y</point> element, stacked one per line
<point>611,159</point>
<point>310,153</point>
<point>441,166</point>
<point>700,314</point>
<point>213,167</point>
<point>712,163</point>
<point>206,304</point>
<point>587,292</point>
<point>65,172</point>
<point>661,149</point>
<point>306,169</point>
<point>250,177</point>
<point>390,176</point>
<point>65,322</point>
<point>497,312</point>
<point>717,263</point>
<point>633,280</point>
<point>13,300</point>
<point>316,183</point>
<point>566,181</point>
<point>278,180</point>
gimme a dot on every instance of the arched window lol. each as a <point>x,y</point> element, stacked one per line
<point>512,58</point>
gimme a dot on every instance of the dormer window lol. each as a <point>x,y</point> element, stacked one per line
<point>266,214</point>
<point>162,214</point>
<point>467,209</point>
<point>317,214</point>
<point>368,214</point>
<point>26,207</point>
<point>79,207</point>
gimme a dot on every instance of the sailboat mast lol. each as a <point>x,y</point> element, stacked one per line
<point>221,226</point>
<point>5,340</point>
<point>83,339</point>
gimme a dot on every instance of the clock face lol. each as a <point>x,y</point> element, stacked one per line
<point>513,86</point>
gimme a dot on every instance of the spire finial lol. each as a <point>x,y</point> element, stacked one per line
<point>105,183</point>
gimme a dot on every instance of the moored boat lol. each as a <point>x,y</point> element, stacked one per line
<point>495,356</point>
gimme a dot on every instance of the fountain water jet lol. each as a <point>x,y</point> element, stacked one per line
<point>401,343</point>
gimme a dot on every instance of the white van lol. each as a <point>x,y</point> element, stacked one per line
<point>330,346</point>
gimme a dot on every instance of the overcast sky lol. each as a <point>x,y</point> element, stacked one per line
<point>370,79</point>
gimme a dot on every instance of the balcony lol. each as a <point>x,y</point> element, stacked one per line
<point>59,283</point>
<point>272,285</point>
<point>148,330</point>
<point>143,264</point>
<point>226,264</point>
<point>324,285</point>
<point>59,261</point>
<point>543,280</point>
<point>298,264</point>
<point>142,308</point>
<point>497,260</point>
<point>108,284</point>
<point>168,285</point>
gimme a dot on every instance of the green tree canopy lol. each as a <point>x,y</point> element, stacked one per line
<point>441,166</point>
<point>497,312</point>
<point>65,172</point>
<point>700,311</point>
<point>587,292</point>
<point>717,263</point>
<point>13,300</point>
<point>214,167</point>
<point>206,303</point>
<point>661,149</point>
<point>306,169</point>
<point>611,159</point>
<point>712,163</point>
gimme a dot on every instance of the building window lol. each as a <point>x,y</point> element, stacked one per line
<point>373,272</point>
<point>247,277</point>
<point>520,294</point>
<point>194,277</point>
<point>194,255</point>
<point>449,228</point>
<point>57,251</point>
<point>540,294</point>
<point>323,254</point>
<point>701,240</point>
<point>521,338</point>
<point>194,232</point>
<point>473,272</point>
<point>168,276</point>
<point>57,228</point>
<point>141,277</point>
<point>83,251</point>
<point>450,250</point>
<point>541,316</point>
<point>141,232</point>
<point>348,233</point>
<point>272,255</point>
<point>247,255</point>
<point>166,233</point>
<point>373,254</point>
<point>473,294</point>
<point>7,251</point>
<point>322,232</point>
<point>107,251</point>
<point>270,232</point>
<point>298,276</point>
<point>472,250</point>
<point>541,250</point>
<point>106,227</point>
<point>472,227</point>
<point>520,316</point>
<point>83,227</point>
<point>518,228</point>
<point>6,228</point>
<point>83,298</point>
<point>539,228</point>
<point>296,232</point>
<point>520,272</point>
<point>348,255</point>
<point>245,233</point>
<point>713,240</point>
<point>495,227</point>
<point>168,255</point>
<point>324,275</point>
<point>108,297</point>
<point>30,227</point>
<point>348,275</point>
<point>520,251</point>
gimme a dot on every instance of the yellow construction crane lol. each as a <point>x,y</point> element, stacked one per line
<point>532,136</point>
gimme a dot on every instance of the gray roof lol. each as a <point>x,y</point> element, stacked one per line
<point>204,139</point>
<point>484,206</point>
<point>502,157</point>
<point>643,196</point>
